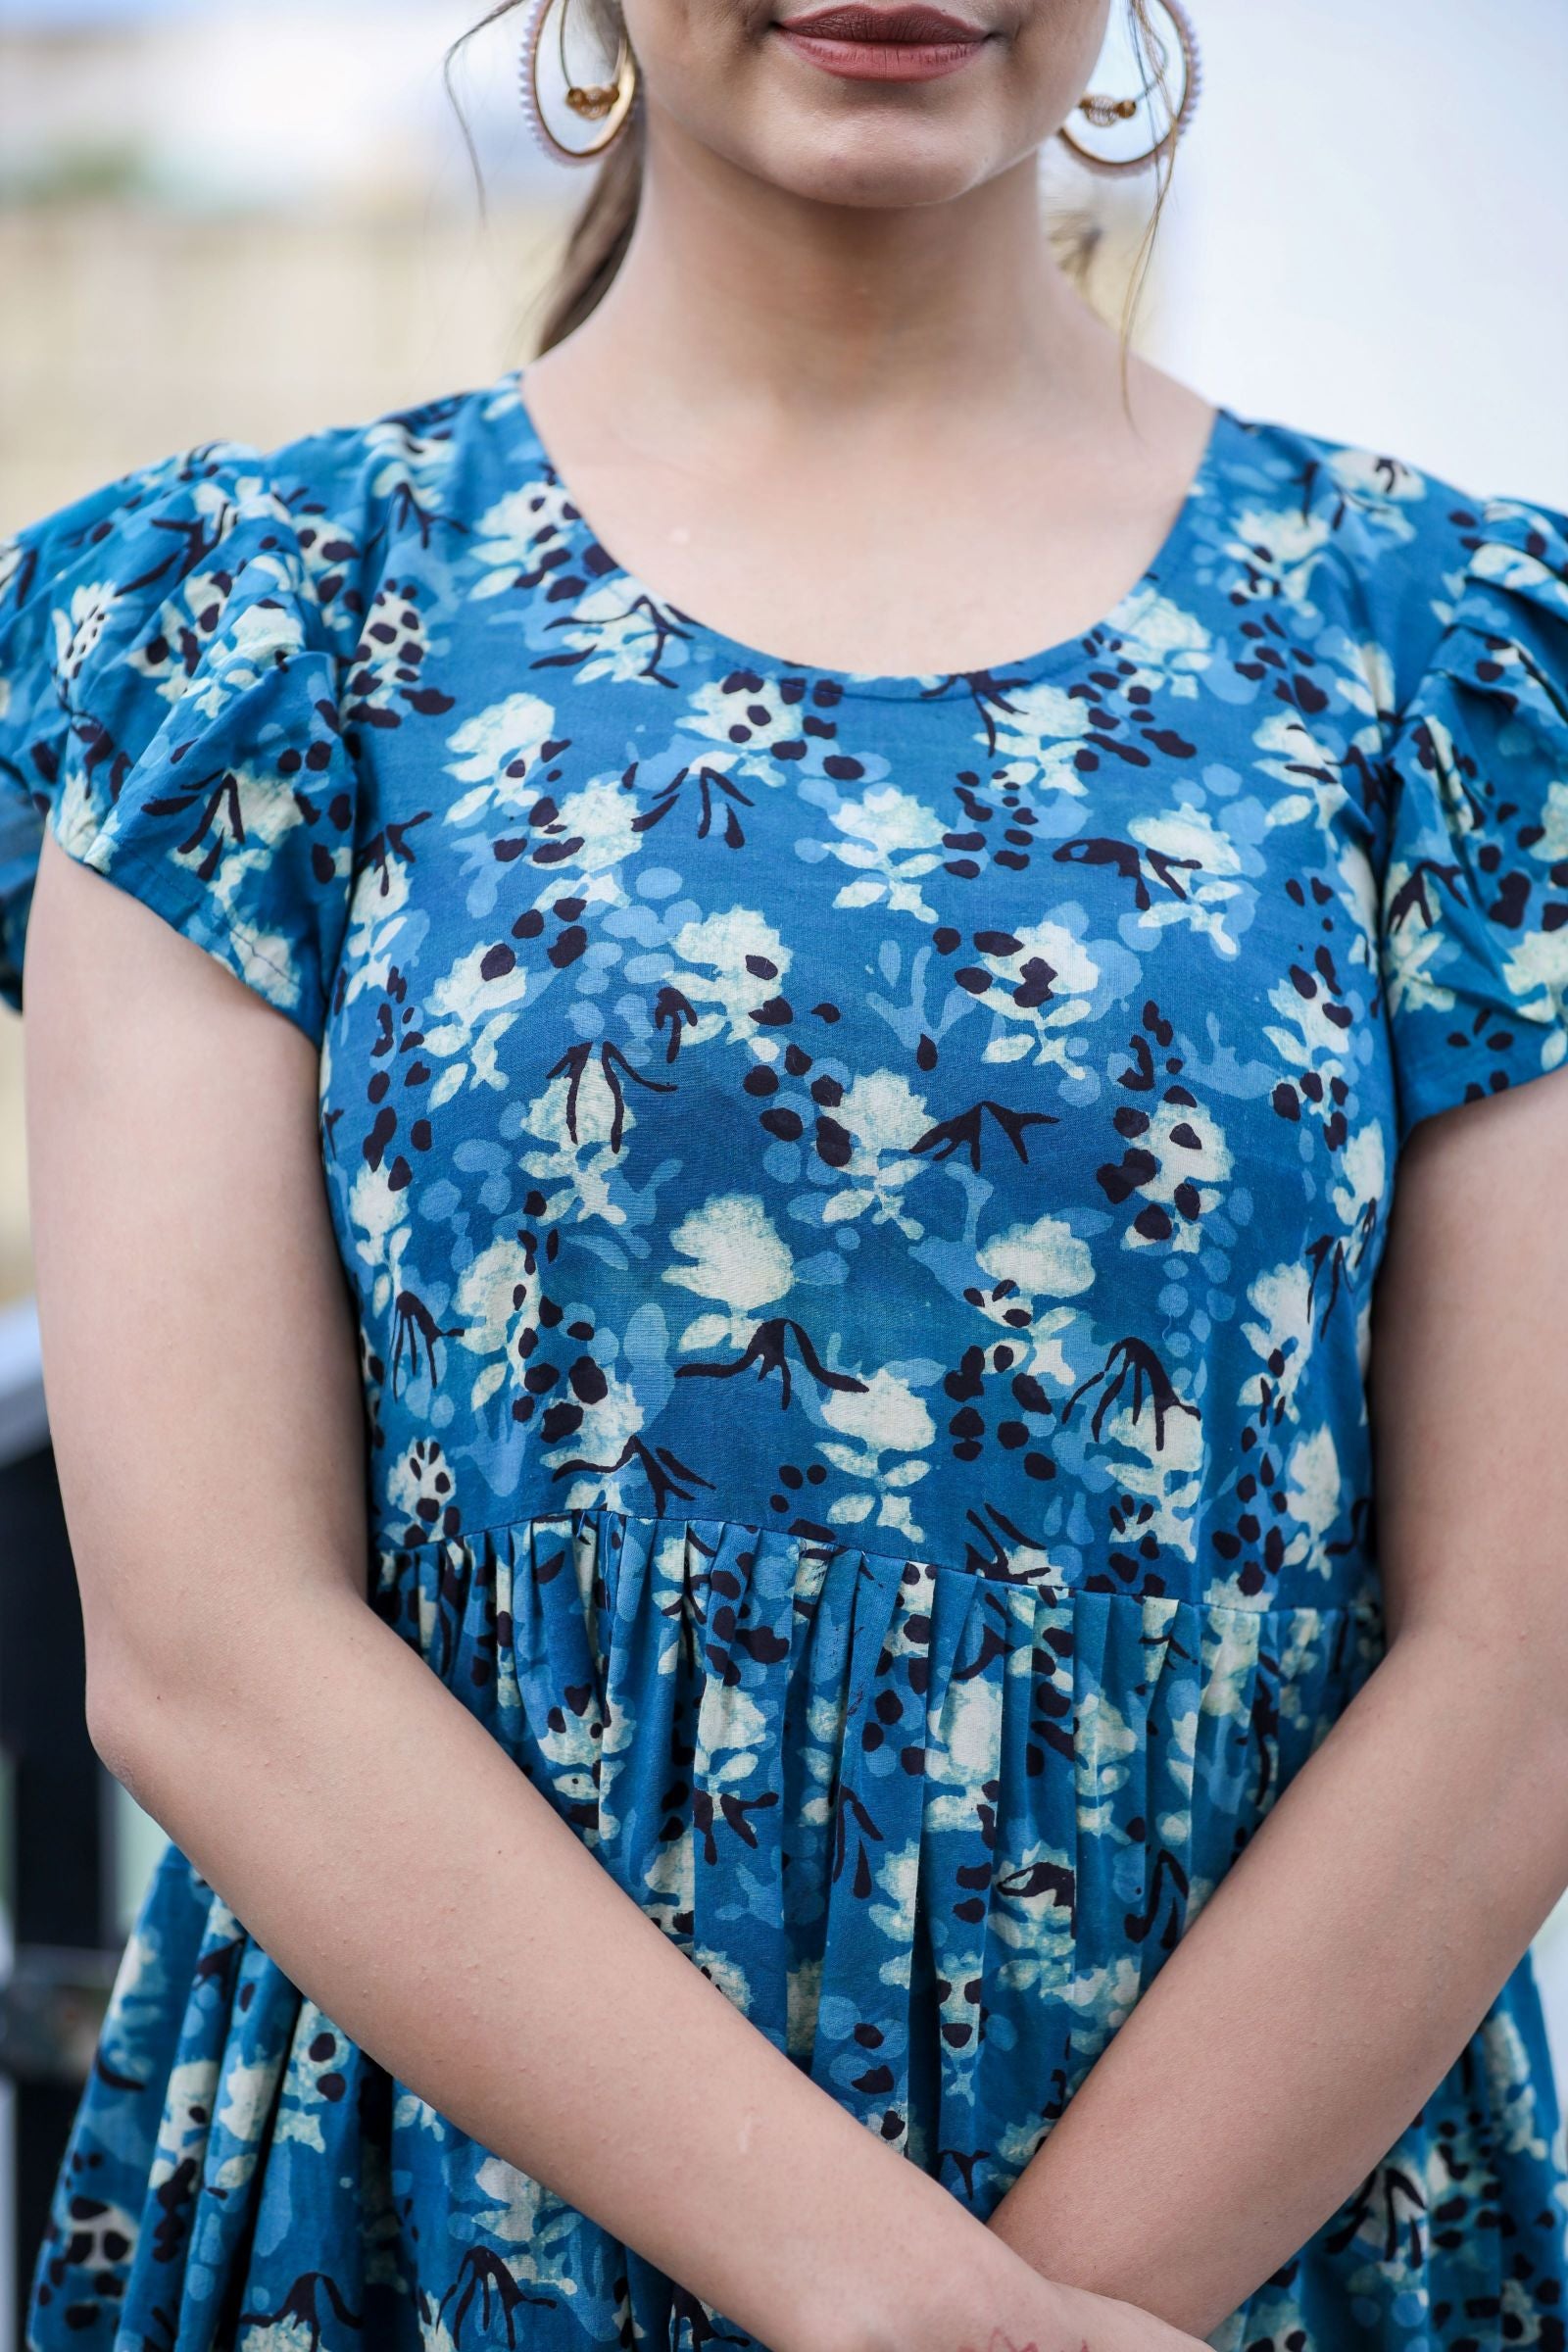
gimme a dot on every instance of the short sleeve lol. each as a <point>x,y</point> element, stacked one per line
<point>169,711</point>
<point>1474,914</point>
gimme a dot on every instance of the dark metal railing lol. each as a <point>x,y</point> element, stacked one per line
<point>58,1933</point>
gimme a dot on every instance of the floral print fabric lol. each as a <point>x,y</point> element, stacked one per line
<point>862,1195</point>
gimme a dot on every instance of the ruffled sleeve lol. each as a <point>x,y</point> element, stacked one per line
<point>168,711</point>
<point>1474,915</point>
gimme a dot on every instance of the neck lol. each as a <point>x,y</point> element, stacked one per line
<point>740,299</point>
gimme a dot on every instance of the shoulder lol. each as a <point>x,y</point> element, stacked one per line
<point>328,511</point>
<point>182,651</point>
<point>404,491</point>
<point>1405,556</point>
<point>192,655</point>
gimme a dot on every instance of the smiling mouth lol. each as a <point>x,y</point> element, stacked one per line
<point>863,43</point>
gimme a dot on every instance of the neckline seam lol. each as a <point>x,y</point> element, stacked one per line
<point>901,686</point>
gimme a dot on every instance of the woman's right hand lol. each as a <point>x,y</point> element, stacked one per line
<point>959,2297</point>
<point>1103,2323</point>
<point>1048,2318</point>
<point>439,1910</point>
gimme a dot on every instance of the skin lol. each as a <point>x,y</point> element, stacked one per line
<point>1357,1946</point>
<point>837,303</point>
<point>436,1908</point>
<point>839,356</point>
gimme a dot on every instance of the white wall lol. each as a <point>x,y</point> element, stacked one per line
<point>1367,233</point>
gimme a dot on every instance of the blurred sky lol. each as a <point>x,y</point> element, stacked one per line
<point>307,103</point>
<point>66,12</point>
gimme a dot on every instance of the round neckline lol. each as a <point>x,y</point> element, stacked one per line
<point>914,685</point>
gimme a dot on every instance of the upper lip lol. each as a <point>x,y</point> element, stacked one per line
<point>911,23</point>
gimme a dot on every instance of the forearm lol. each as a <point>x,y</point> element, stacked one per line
<point>388,1854</point>
<point>380,1844</point>
<point>1321,1993</point>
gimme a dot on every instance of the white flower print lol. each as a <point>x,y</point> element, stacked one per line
<point>497,753</point>
<point>892,839</point>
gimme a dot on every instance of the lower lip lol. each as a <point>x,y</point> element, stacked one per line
<point>881,61</point>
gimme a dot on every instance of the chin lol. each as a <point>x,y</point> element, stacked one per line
<point>871,164</point>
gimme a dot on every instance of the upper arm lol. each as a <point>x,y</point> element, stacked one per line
<point>1468,1376</point>
<point>199,1348</point>
<point>1469,1343</point>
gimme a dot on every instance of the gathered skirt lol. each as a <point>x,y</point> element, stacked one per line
<point>933,1830</point>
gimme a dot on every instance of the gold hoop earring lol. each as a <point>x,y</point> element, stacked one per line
<point>606,103</point>
<point>1103,112</point>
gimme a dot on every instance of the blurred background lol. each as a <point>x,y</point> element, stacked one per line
<point>253,218</point>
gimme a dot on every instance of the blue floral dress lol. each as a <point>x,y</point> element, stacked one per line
<point>863,1194</point>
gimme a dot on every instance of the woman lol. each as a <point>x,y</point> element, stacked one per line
<point>860,924</point>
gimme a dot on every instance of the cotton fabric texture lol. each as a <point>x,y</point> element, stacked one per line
<point>862,1194</point>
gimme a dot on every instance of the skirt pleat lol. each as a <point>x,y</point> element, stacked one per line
<point>934,1829</point>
